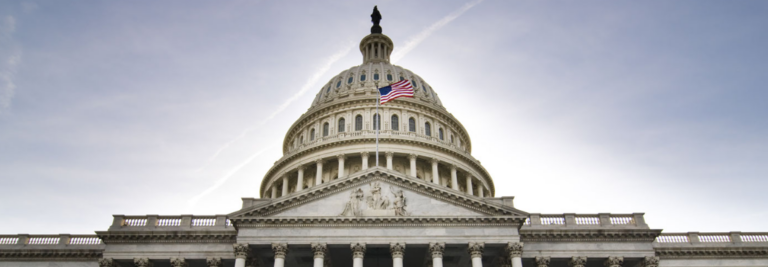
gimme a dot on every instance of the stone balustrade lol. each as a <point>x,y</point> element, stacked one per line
<point>704,239</point>
<point>51,241</point>
<point>123,222</point>
<point>572,220</point>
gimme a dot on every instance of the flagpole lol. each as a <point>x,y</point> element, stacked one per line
<point>376,125</point>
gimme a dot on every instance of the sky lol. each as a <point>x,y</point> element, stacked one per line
<point>180,107</point>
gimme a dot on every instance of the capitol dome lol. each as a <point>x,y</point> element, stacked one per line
<point>336,137</point>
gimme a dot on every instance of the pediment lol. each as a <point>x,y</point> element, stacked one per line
<point>378,193</point>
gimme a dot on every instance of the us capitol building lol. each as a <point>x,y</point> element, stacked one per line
<point>429,202</point>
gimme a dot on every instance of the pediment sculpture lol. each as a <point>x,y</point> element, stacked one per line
<point>375,203</point>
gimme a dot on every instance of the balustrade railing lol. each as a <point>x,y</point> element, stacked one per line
<point>121,221</point>
<point>711,238</point>
<point>50,240</point>
<point>586,220</point>
<point>355,134</point>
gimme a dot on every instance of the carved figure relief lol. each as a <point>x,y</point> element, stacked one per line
<point>375,203</point>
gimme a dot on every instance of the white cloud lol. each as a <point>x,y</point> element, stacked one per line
<point>416,40</point>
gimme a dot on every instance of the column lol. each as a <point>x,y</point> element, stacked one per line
<point>285,185</point>
<point>364,157</point>
<point>274,190</point>
<point>280,250</point>
<point>319,249</point>
<point>542,261</point>
<point>142,262</point>
<point>469,185</point>
<point>577,261</point>
<point>389,159</point>
<point>300,180</point>
<point>397,250</point>
<point>651,261</point>
<point>436,249</point>
<point>515,250</point>
<point>178,262</point>
<point>481,190</point>
<point>358,252</point>
<point>475,250</point>
<point>613,261</point>
<point>454,178</point>
<point>412,157</point>
<point>435,175</point>
<point>319,175</point>
<point>241,252</point>
<point>214,262</point>
<point>341,165</point>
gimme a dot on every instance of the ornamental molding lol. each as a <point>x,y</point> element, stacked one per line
<point>588,235</point>
<point>125,237</point>
<point>377,174</point>
<point>51,254</point>
<point>712,252</point>
<point>397,250</point>
<point>261,222</point>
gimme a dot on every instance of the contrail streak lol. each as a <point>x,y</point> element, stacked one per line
<point>233,171</point>
<point>308,85</point>
<point>416,40</point>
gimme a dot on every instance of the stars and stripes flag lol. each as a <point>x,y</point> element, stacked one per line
<point>399,89</point>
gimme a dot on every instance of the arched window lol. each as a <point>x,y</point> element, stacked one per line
<point>376,122</point>
<point>358,122</point>
<point>312,134</point>
<point>325,129</point>
<point>375,76</point>
<point>389,77</point>
<point>427,129</point>
<point>362,78</point>
<point>411,125</point>
<point>328,90</point>
<point>395,123</point>
<point>338,84</point>
<point>341,125</point>
<point>401,78</point>
<point>440,133</point>
<point>350,79</point>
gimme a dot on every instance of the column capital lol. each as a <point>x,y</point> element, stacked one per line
<point>301,167</point>
<point>365,154</point>
<point>241,250</point>
<point>434,160</point>
<point>179,262</point>
<point>319,250</point>
<point>397,249</point>
<point>389,153</point>
<point>515,249</point>
<point>358,250</point>
<point>341,157</point>
<point>280,250</point>
<point>613,261</point>
<point>651,261</point>
<point>319,161</point>
<point>577,261</point>
<point>213,262</point>
<point>453,167</point>
<point>436,249</point>
<point>475,249</point>
<point>142,262</point>
<point>542,261</point>
<point>412,156</point>
<point>107,262</point>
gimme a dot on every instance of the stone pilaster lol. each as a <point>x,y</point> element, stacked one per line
<point>435,171</point>
<point>142,262</point>
<point>364,157</point>
<point>613,261</point>
<point>454,178</point>
<point>179,262</point>
<point>412,158</point>
<point>651,261</point>
<point>389,156</point>
<point>341,159</point>
<point>107,262</point>
<point>577,261</point>
<point>542,261</point>
<point>214,262</point>
<point>319,172</point>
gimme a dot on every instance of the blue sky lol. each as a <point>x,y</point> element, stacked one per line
<point>179,107</point>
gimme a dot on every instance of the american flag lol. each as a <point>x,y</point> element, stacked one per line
<point>399,89</point>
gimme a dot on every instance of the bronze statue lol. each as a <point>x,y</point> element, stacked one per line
<point>376,18</point>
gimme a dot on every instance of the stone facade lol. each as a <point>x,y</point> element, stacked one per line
<point>422,200</point>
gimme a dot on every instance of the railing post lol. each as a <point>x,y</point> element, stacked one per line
<point>640,219</point>
<point>186,220</point>
<point>535,219</point>
<point>221,220</point>
<point>64,239</point>
<point>693,237</point>
<point>117,221</point>
<point>605,219</point>
<point>570,219</point>
<point>736,238</point>
<point>23,239</point>
<point>152,220</point>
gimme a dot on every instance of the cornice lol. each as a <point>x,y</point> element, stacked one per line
<point>50,254</point>
<point>262,222</point>
<point>711,252</point>
<point>121,237</point>
<point>290,157</point>
<point>588,235</point>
